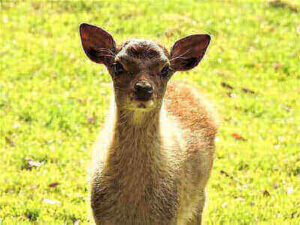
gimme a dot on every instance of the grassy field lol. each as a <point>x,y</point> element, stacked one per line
<point>53,101</point>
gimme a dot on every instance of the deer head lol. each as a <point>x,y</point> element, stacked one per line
<point>141,69</point>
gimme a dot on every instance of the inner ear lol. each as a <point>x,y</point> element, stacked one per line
<point>187,52</point>
<point>190,63</point>
<point>97,44</point>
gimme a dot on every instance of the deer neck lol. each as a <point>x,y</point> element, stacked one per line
<point>137,142</point>
<point>138,132</point>
<point>138,161</point>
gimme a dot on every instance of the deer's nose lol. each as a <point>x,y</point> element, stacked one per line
<point>143,90</point>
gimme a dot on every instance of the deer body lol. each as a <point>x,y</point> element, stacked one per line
<point>154,156</point>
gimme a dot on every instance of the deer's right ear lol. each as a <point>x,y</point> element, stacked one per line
<point>97,44</point>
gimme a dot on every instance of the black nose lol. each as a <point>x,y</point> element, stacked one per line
<point>143,90</point>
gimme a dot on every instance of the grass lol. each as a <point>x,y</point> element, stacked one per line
<point>53,100</point>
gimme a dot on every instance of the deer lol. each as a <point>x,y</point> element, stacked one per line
<point>154,154</point>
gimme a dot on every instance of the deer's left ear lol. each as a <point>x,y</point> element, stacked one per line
<point>97,44</point>
<point>187,52</point>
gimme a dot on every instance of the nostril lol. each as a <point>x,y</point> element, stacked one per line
<point>148,89</point>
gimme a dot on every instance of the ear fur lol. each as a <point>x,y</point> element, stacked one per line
<point>187,52</point>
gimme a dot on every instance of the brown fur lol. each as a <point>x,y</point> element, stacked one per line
<point>153,158</point>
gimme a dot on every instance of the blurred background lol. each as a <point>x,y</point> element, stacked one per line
<point>53,101</point>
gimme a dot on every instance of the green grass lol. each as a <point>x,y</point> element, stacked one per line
<point>53,101</point>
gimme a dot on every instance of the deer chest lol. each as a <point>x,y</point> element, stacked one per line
<point>134,201</point>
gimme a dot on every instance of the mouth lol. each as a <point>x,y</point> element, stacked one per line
<point>142,104</point>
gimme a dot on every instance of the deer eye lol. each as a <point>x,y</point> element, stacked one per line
<point>118,68</point>
<point>165,71</point>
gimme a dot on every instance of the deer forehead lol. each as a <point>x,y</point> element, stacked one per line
<point>142,52</point>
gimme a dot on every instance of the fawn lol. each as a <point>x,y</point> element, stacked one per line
<point>155,153</point>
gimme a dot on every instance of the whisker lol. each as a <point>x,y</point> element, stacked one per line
<point>108,56</point>
<point>181,56</point>
<point>106,50</point>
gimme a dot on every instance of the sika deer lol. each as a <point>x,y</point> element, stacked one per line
<point>155,154</point>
